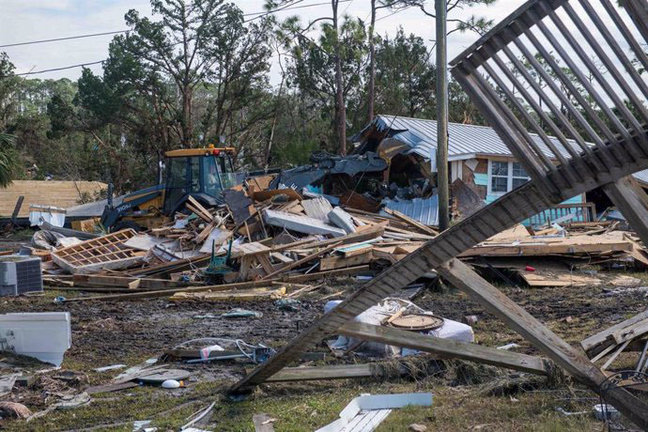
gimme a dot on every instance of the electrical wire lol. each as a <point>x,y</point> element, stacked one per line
<point>393,13</point>
<point>260,15</point>
<point>60,68</point>
<point>83,36</point>
<point>90,35</point>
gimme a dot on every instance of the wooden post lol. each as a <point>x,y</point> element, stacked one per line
<point>565,356</point>
<point>14,215</point>
<point>442,113</point>
<point>631,200</point>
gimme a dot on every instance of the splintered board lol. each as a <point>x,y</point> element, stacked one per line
<point>107,252</point>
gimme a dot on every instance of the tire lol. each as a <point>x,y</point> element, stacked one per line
<point>126,224</point>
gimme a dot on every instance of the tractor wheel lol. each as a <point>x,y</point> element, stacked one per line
<point>126,224</point>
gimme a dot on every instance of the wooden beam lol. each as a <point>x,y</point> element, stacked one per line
<point>563,354</point>
<point>631,200</point>
<point>299,262</point>
<point>225,287</point>
<point>446,348</point>
<point>323,373</point>
<point>16,211</point>
<point>83,280</point>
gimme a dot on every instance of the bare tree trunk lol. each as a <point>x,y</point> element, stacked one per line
<point>274,123</point>
<point>339,85</point>
<point>371,92</point>
<point>187,122</point>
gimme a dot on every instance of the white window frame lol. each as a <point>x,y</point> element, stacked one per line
<point>509,179</point>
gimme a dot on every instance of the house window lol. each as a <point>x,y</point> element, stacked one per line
<point>499,177</point>
<point>519,176</point>
<point>505,176</point>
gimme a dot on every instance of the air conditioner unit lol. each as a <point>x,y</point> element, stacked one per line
<point>20,274</point>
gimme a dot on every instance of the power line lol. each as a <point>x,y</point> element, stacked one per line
<point>63,38</point>
<point>90,35</point>
<point>290,7</point>
<point>261,14</point>
<point>60,68</point>
<point>394,13</point>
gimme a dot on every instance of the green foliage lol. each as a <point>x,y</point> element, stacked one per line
<point>405,76</point>
<point>8,159</point>
<point>312,71</point>
<point>196,73</point>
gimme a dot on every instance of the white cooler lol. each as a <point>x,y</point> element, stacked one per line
<point>42,335</point>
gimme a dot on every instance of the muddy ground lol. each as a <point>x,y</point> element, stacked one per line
<point>129,332</point>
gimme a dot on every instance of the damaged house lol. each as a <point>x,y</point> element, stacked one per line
<point>482,168</point>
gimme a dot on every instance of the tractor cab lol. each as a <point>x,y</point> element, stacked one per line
<point>202,173</point>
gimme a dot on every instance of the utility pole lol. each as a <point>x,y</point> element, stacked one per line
<point>442,114</point>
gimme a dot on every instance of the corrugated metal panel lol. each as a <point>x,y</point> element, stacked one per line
<point>423,210</point>
<point>464,139</point>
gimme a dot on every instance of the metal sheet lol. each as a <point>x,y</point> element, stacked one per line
<point>424,210</point>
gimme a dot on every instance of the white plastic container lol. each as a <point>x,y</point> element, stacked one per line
<point>42,335</point>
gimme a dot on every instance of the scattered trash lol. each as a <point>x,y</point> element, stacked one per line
<point>508,347</point>
<point>197,418</point>
<point>562,411</point>
<point>375,409</point>
<point>244,313</point>
<point>140,425</point>
<point>72,401</point>
<point>14,409</point>
<point>109,368</point>
<point>171,384</point>
<point>159,376</point>
<point>288,305</point>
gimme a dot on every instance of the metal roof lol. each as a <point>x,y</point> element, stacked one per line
<point>464,140</point>
<point>425,210</point>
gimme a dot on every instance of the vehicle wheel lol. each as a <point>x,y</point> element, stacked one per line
<point>125,224</point>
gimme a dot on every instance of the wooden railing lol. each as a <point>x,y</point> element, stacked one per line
<point>583,212</point>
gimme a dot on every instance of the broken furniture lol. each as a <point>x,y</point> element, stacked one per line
<point>557,173</point>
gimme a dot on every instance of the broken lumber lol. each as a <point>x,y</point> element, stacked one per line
<point>563,354</point>
<point>324,373</point>
<point>239,285</point>
<point>446,348</point>
<point>82,280</point>
<point>299,262</point>
<point>413,222</point>
<point>259,294</point>
<point>302,224</point>
<point>594,344</point>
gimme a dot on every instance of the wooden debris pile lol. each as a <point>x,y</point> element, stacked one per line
<point>628,335</point>
<point>560,256</point>
<point>268,235</point>
<point>255,236</point>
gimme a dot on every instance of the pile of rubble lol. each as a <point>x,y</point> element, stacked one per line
<point>260,236</point>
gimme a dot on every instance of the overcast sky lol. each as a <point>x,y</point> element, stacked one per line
<point>28,20</point>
